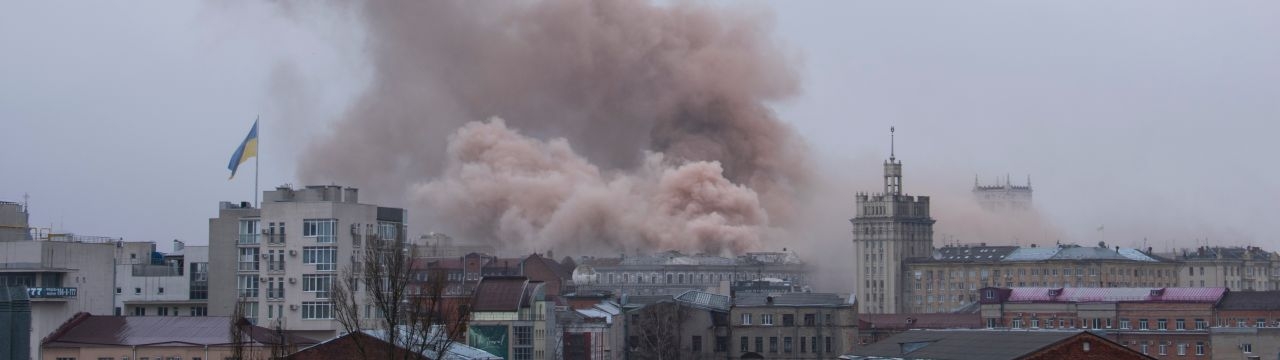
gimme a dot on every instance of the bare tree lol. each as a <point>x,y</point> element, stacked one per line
<point>656,331</point>
<point>403,300</point>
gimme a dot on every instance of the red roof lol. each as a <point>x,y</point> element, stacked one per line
<point>85,329</point>
<point>1040,294</point>
<point>921,321</point>
<point>500,293</point>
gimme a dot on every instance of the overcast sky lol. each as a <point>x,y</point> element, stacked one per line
<point>1153,118</point>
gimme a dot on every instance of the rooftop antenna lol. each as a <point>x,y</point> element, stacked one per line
<point>890,144</point>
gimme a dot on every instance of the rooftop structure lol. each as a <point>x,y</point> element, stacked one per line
<point>673,273</point>
<point>1003,345</point>
<point>87,336</point>
<point>1091,295</point>
<point>1003,197</point>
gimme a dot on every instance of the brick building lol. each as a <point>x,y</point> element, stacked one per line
<point>875,327</point>
<point>967,345</point>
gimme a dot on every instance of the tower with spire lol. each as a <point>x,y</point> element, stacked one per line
<point>889,228</point>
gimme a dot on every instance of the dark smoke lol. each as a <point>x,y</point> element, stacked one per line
<point>661,137</point>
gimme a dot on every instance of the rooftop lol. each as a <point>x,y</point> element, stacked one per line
<point>790,299</point>
<point>920,321</point>
<point>501,293</point>
<point>93,330</point>
<point>965,344</point>
<point>1078,295</point>
<point>1250,300</point>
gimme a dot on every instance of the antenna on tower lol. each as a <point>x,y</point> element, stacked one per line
<point>890,144</point>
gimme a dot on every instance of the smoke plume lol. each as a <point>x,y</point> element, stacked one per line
<point>659,133</point>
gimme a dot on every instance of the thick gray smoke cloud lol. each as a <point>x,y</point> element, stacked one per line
<point>664,106</point>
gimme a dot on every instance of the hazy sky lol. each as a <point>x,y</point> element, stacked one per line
<point>1153,118</point>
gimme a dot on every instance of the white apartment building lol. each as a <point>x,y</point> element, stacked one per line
<point>278,262</point>
<point>149,283</point>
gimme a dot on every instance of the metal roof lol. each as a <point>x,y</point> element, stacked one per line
<point>966,344</point>
<point>1076,253</point>
<point>84,329</point>
<point>1043,294</point>
<point>704,300</point>
<point>1250,300</point>
<point>790,299</point>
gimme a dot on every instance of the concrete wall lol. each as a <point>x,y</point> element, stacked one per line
<point>223,234</point>
<point>88,267</point>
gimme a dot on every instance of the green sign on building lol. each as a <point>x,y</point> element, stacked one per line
<point>491,338</point>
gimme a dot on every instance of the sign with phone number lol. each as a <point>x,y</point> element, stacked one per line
<point>66,292</point>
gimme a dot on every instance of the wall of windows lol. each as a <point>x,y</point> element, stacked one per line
<point>247,286</point>
<point>317,283</point>
<point>317,310</point>
<point>249,259</point>
<point>323,257</point>
<point>248,231</point>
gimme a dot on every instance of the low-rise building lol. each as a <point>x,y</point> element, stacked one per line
<point>994,345</point>
<point>950,279</point>
<point>513,318</point>
<point>1247,343</point>
<point>1236,268</point>
<point>673,273</point>
<point>373,344</point>
<point>87,336</point>
<point>592,328</point>
<point>1160,322</point>
<point>792,326</point>
<point>691,325</point>
<point>875,327</point>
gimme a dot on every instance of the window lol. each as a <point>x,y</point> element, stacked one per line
<point>250,311</point>
<point>746,319</point>
<point>773,344</point>
<point>1162,324</point>
<point>828,344</point>
<point>316,310</point>
<point>1262,323</point>
<point>766,319</point>
<point>1142,324</point>
<point>1017,323</point>
<point>388,230</point>
<point>249,259</point>
<point>1144,348</point>
<point>1201,324</point>
<point>813,344</point>
<point>759,344</point>
<point>247,286</point>
<point>160,290</point>
<point>1180,324</point>
<point>523,335</point>
<point>1035,323</point>
<point>140,311</point>
<point>1182,349</point>
<point>744,344</point>
<point>522,353</point>
<point>788,320</point>
<point>786,345</point>
<point>1199,348</point>
<point>248,232</point>
<point>162,311</point>
<point>1162,348</point>
<point>991,323</point>
<point>810,319</point>
<point>1246,347</point>
<point>137,291</point>
<point>275,287</point>
<point>199,311</point>
<point>802,345</point>
<point>827,319</point>
<point>319,284</point>
<point>322,257</point>
<point>696,344</point>
<point>118,291</point>
<point>722,343</point>
<point>321,229</point>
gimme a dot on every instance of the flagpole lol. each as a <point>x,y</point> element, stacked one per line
<point>257,158</point>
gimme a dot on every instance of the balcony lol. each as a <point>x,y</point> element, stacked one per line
<point>148,270</point>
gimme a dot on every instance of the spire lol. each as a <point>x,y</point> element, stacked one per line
<point>890,144</point>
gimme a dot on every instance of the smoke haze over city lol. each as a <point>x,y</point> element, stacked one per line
<point>1152,120</point>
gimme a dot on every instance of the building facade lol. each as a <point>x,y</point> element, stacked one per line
<point>278,263</point>
<point>1238,268</point>
<point>792,326</point>
<point>150,283</point>
<point>513,318</point>
<point>673,273</point>
<point>1003,198</point>
<point>949,280</point>
<point>889,228</point>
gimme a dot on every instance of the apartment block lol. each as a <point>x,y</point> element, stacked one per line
<point>278,262</point>
<point>151,283</point>
<point>791,326</point>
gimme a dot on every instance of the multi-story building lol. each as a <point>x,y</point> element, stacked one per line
<point>1237,268</point>
<point>873,328</point>
<point>63,274</point>
<point>949,280</point>
<point>889,228</point>
<point>1003,198</point>
<point>792,326</point>
<point>14,222</point>
<point>673,273</point>
<point>1159,322</point>
<point>85,336</point>
<point>592,328</point>
<point>149,283</point>
<point>278,263</point>
<point>513,318</point>
<point>691,325</point>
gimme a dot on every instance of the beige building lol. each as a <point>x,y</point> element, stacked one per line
<point>889,228</point>
<point>278,262</point>
<point>1237,268</point>
<point>64,274</point>
<point>792,326</point>
<point>950,279</point>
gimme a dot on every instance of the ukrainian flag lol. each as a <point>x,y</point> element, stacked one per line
<point>247,149</point>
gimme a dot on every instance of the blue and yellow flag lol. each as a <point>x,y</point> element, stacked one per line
<point>247,149</point>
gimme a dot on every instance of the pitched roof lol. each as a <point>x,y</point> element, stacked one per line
<point>964,344</point>
<point>1042,294</point>
<point>500,293</point>
<point>1250,300</point>
<point>84,329</point>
